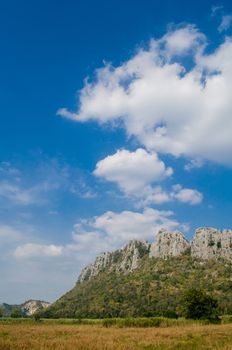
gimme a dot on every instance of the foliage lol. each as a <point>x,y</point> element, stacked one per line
<point>36,317</point>
<point>200,305</point>
<point>16,313</point>
<point>155,288</point>
<point>1,312</point>
<point>139,322</point>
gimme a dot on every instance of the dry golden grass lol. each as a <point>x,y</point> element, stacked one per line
<point>71,337</point>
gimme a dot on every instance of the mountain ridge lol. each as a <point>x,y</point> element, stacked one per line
<point>143,279</point>
<point>207,243</point>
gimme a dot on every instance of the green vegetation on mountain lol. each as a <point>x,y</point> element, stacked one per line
<point>156,288</point>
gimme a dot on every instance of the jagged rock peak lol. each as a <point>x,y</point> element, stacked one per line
<point>210,243</point>
<point>122,260</point>
<point>207,243</point>
<point>168,244</point>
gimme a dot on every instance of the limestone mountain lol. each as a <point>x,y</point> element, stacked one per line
<point>207,243</point>
<point>149,279</point>
<point>28,308</point>
<point>122,260</point>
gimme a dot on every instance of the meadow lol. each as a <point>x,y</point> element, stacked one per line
<point>97,335</point>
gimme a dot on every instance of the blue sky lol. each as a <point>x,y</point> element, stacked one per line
<point>116,120</point>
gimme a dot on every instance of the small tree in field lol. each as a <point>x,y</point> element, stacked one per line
<point>36,316</point>
<point>200,305</point>
<point>1,312</point>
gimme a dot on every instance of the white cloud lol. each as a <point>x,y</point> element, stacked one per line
<point>31,250</point>
<point>225,23</point>
<point>136,172</point>
<point>186,195</point>
<point>152,195</point>
<point>113,229</point>
<point>169,106</point>
<point>156,195</point>
<point>106,232</point>
<point>132,171</point>
<point>182,40</point>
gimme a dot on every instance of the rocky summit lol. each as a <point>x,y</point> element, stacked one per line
<point>122,260</point>
<point>207,243</point>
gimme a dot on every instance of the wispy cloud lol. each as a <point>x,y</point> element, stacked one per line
<point>216,9</point>
<point>34,185</point>
<point>225,23</point>
<point>29,250</point>
<point>9,234</point>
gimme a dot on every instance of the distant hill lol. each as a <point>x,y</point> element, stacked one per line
<point>28,308</point>
<point>145,279</point>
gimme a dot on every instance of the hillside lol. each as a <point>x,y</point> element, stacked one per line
<point>144,280</point>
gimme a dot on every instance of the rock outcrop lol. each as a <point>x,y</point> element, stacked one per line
<point>122,260</point>
<point>210,243</point>
<point>32,306</point>
<point>28,308</point>
<point>169,244</point>
<point>207,243</point>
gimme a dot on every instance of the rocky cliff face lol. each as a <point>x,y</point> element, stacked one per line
<point>207,243</point>
<point>122,260</point>
<point>169,244</point>
<point>210,243</point>
<point>32,306</point>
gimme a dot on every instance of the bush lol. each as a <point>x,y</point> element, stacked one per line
<point>16,313</point>
<point>200,305</point>
<point>36,317</point>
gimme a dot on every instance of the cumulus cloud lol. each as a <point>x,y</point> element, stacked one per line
<point>132,171</point>
<point>111,230</point>
<point>170,106</point>
<point>136,172</point>
<point>156,195</point>
<point>186,195</point>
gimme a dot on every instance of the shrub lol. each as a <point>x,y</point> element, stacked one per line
<point>200,305</point>
<point>16,313</point>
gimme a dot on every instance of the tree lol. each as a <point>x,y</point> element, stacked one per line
<point>36,317</point>
<point>1,312</point>
<point>200,305</point>
<point>16,313</point>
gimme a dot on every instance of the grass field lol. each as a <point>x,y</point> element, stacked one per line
<point>53,335</point>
